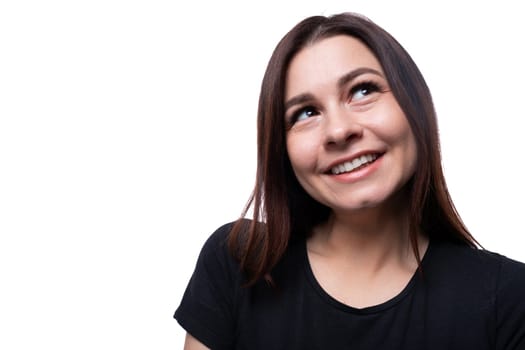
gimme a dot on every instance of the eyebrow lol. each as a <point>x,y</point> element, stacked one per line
<point>297,100</point>
<point>345,79</point>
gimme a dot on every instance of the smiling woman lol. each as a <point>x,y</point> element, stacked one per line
<point>350,137</point>
<point>355,242</point>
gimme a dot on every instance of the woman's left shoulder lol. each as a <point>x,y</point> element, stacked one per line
<point>483,271</point>
<point>510,303</point>
<point>510,279</point>
<point>487,281</point>
<point>510,273</point>
<point>467,258</point>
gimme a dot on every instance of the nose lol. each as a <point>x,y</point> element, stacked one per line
<point>340,128</point>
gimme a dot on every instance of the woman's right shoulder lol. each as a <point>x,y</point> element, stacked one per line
<point>219,239</point>
<point>207,309</point>
<point>218,246</point>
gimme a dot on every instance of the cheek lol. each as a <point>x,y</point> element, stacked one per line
<point>406,137</point>
<point>412,151</point>
<point>404,141</point>
<point>302,151</point>
<point>392,125</point>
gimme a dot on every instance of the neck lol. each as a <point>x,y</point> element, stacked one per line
<point>369,239</point>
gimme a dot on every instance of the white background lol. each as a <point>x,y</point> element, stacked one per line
<point>127,135</point>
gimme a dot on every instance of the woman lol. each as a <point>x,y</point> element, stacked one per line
<point>355,242</point>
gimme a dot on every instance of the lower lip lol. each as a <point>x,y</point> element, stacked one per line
<point>360,174</point>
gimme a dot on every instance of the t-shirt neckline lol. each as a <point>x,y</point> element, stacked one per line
<point>369,309</point>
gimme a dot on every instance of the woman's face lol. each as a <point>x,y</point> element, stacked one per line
<point>349,142</point>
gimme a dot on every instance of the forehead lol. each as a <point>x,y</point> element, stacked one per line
<point>325,61</point>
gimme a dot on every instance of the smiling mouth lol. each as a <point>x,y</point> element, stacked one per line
<point>354,164</point>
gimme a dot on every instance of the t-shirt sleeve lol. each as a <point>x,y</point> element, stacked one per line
<point>206,309</point>
<point>510,306</point>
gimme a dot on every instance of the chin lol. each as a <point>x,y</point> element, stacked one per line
<point>362,204</point>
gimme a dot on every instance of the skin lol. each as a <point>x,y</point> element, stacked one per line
<point>339,106</point>
<point>193,344</point>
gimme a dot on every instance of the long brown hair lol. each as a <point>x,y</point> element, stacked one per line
<point>282,210</point>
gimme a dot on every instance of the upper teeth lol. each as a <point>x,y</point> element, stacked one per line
<point>353,164</point>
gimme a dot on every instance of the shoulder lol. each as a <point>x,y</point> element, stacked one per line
<point>219,239</point>
<point>217,242</point>
<point>463,259</point>
<point>206,309</point>
<point>510,304</point>
<point>488,284</point>
<point>215,260</point>
<point>468,264</point>
<point>462,275</point>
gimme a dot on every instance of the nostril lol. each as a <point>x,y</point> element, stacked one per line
<point>342,136</point>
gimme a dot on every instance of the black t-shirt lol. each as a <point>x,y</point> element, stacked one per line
<point>465,298</point>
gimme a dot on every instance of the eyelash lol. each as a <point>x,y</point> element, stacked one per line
<point>307,109</point>
<point>368,86</point>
